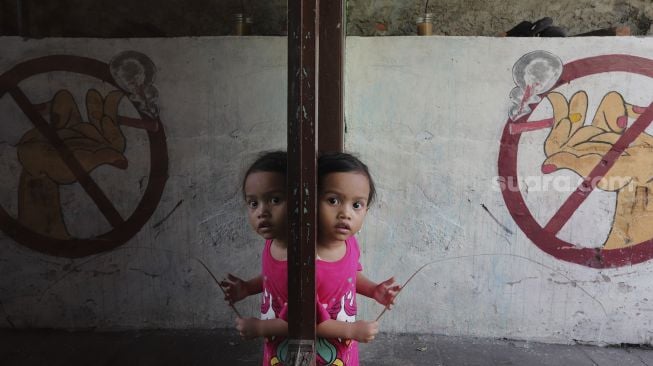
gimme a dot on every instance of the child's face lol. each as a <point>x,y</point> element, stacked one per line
<point>342,205</point>
<point>265,194</point>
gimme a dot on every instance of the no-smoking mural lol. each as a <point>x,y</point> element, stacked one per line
<point>84,155</point>
<point>576,157</point>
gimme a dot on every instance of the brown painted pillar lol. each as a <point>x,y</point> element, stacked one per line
<point>302,153</point>
<point>331,114</point>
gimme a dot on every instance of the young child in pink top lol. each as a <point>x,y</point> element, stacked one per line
<point>338,271</point>
<point>264,190</point>
<point>345,191</point>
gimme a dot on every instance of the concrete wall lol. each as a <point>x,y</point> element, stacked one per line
<point>427,114</point>
<point>124,18</point>
<point>221,101</point>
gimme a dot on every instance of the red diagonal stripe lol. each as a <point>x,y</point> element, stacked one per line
<point>589,183</point>
<point>89,185</point>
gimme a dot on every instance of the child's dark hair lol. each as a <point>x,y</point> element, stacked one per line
<point>338,162</point>
<point>272,161</point>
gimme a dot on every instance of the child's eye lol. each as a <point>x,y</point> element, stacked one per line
<point>252,204</point>
<point>275,200</point>
<point>358,205</point>
<point>332,200</point>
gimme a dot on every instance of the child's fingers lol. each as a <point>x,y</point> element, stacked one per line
<point>227,282</point>
<point>226,288</point>
<point>393,291</point>
<point>233,278</point>
<point>391,301</point>
<point>375,327</point>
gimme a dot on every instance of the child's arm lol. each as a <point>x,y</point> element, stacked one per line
<point>236,289</point>
<point>253,327</point>
<point>361,330</point>
<point>384,293</point>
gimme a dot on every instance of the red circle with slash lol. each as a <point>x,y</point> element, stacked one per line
<point>545,237</point>
<point>122,229</point>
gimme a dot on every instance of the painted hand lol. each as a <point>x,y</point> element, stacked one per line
<point>87,145</point>
<point>235,289</point>
<point>578,147</point>
<point>386,291</point>
<point>94,143</point>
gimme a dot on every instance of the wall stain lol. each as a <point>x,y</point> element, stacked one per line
<point>140,183</point>
<point>187,285</point>
<point>460,257</point>
<point>168,215</point>
<point>504,227</point>
<point>103,273</point>
<point>625,288</point>
<point>7,316</point>
<point>606,278</point>
<point>571,283</point>
<point>519,281</point>
<point>153,275</point>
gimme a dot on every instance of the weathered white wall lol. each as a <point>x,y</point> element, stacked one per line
<point>426,114</point>
<point>222,101</point>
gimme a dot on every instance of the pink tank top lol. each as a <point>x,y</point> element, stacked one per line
<point>335,286</point>
<point>274,303</point>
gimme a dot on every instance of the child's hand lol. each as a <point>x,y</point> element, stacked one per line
<point>364,331</point>
<point>385,292</point>
<point>235,289</point>
<point>248,327</point>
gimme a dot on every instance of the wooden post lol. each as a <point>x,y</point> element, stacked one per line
<point>331,114</point>
<point>302,155</point>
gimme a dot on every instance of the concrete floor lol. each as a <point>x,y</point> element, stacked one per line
<point>223,347</point>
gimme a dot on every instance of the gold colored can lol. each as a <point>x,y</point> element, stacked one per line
<point>425,25</point>
<point>242,25</point>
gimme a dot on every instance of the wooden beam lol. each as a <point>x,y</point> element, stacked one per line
<point>302,157</point>
<point>331,114</point>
